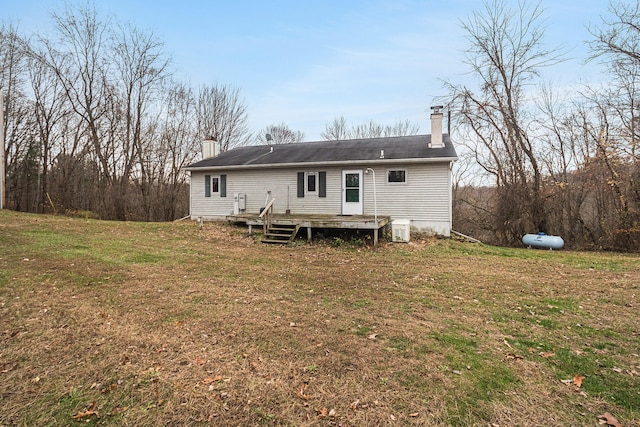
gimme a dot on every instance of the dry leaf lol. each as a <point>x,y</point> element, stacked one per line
<point>372,336</point>
<point>414,414</point>
<point>210,380</point>
<point>354,405</point>
<point>199,361</point>
<point>577,380</point>
<point>118,410</point>
<point>609,420</point>
<point>512,356</point>
<point>91,410</point>
<point>300,393</point>
<point>322,413</point>
<point>547,354</point>
<point>109,388</point>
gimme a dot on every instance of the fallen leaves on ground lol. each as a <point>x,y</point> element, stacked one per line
<point>91,410</point>
<point>322,413</point>
<point>609,420</point>
<point>577,380</point>
<point>513,356</point>
<point>210,380</point>
<point>118,410</point>
<point>301,392</point>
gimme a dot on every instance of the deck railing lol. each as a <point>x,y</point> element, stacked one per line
<point>267,216</point>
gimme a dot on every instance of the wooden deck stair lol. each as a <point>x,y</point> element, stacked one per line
<point>280,233</point>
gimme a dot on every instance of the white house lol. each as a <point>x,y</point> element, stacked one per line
<point>412,179</point>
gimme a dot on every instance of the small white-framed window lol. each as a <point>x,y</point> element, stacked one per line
<point>215,184</point>
<point>396,176</point>
<point>311,182</point>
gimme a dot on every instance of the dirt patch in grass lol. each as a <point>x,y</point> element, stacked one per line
<point>167,324</point>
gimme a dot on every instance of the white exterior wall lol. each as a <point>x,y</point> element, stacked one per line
<point>425,198</point>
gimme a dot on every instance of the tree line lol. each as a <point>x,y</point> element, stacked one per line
<point>544,160</point>
<point>96,124</point>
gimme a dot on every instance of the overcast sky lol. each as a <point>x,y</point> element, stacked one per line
<point>304,62</point>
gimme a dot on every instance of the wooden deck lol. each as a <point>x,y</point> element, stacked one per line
<point>353,222</point>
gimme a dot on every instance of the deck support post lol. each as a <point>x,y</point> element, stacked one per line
<point>309,234</point>
<point>375,236</point>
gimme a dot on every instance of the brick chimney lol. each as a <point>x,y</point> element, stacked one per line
<point>436,127</point>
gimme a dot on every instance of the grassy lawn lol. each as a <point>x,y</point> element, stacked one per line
<point>108,323</point>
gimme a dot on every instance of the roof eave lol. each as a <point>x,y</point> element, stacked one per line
<point>319,164</point>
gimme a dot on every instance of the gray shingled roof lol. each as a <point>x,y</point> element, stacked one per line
<point>415,148</point>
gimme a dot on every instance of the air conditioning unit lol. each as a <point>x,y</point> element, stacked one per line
<point>401,230</point>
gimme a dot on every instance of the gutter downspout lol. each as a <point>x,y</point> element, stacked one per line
<point>375,206</point>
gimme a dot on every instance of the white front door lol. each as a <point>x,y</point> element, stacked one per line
<point>352,192</point>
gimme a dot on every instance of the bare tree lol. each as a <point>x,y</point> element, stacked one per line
<point>50,109</point>
<point>338,129</point>
<point>279,134</point>
<point>223,116</point>
<point>20,156</point>
<point>81,62</point>
<point>616,40</point>
<point>368,129</point>
<point>617,43</point>
<point>565,136</point>
<point>402,128</point>
<point>141,67</point>
<point>506,54</point>
<point>177,146</point>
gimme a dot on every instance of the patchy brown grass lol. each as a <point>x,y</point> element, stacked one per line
<point>166,324</point>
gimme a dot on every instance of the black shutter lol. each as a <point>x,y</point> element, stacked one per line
<point>322,184</point>
<point>207,186</point>
<point>300,184</point>
<point>223,185</point>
